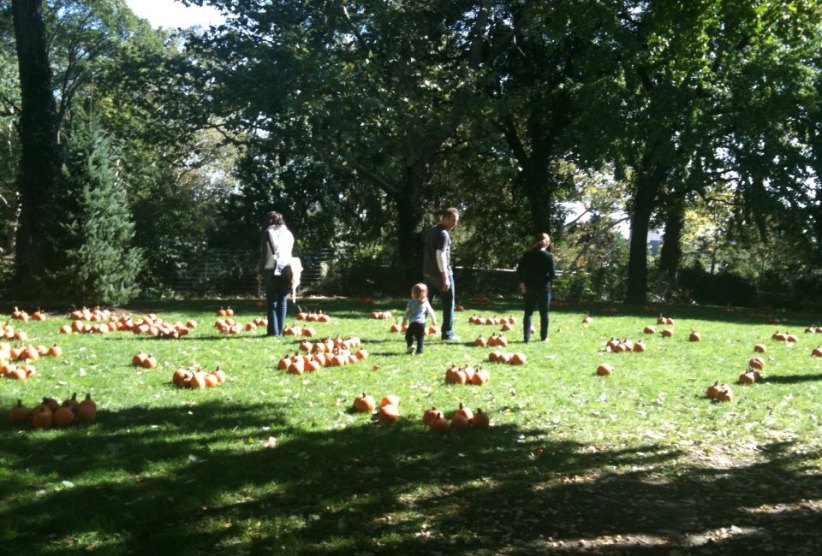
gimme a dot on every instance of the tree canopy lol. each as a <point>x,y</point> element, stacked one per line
<point>361,119</point>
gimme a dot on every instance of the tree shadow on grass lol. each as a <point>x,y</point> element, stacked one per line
<point>219,477</point>
<point>792,379</point>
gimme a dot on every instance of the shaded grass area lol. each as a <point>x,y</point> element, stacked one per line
<point>271,463</point>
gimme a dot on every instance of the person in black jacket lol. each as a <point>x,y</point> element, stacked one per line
<point>535,273</point>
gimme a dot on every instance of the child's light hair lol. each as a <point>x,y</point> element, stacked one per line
<point>419,291</point>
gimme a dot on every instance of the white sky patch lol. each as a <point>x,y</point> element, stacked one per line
<point>171,14</point>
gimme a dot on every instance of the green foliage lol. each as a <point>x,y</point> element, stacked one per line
<point>102,266</point>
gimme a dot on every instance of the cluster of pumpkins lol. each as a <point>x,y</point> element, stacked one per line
<point>506,357</point>
<point>225,312</point>
<point>388,412</point>
<point>328,353</point>
<point>814,329</point>
<point>463,419</point>
<point>493,340</point>
<point>144,360</point>
<point>615,345</point>
<point>196,378</point>
<point>430,331</point>
<point>784,337</point>
<point>329,345</point>
<point>477,319</point>
<point>256,323</point>
<point>227,325</point>
<point>467,375</point>
<point>52,413</point>
<point>8,354</point>
<point>8,332</point>
<point>380,315</point>
<point>295,330</point>
<point>105,322</point>
<point>723,393</point>
<point>719,392</point>
<point>318,316</point>
<point>19,314</point>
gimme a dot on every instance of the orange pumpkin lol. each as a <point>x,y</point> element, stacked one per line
<point>430,415</point>
<point>694,336</point>
<point>389,413</point>
<point>364,403</point>
<point>463,410</point>
<point>87,410</point>
<point>604,369</point>
<point>760,348</point>
<point>713,390</point>
<point>390,399</point>
<point>63,417</point>
<point>460,422</point>
<point>19,413</point>
<point>481,377</point>
<point>481,420</point>
<point>42,417</point>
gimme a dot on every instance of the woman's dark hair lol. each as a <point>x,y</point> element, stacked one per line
<point>273,218</point>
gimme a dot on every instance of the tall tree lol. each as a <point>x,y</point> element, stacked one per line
<point>40,158</point>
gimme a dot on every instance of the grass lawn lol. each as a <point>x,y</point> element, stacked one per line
<point>268,462</point>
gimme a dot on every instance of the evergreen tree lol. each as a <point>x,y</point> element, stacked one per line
<point>101,265</point>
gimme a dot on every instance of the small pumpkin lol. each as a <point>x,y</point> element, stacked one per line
<point>71,402</point>
<point>390,399</point>
<point>760,348</point>
<point>463,410</point>
<point>430,415</point>
<point>459,421</point>
<point>388,413</point>
<point>757,363</point>
<point>364,403</point>
<point>87,410</point>
<point>694,336</point>
<point>604,369</point>
<point>42,417</point>
<point>481,420</point>
<point>713,390</point>
<point>439,423</point>
<point>481,377</point>
<point>51,403</point>
<point>64,416</point>
<point>19,413</point>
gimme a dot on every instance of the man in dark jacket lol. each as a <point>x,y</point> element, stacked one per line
<point>535,273</point>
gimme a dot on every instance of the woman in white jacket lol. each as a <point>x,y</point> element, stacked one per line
<point>276,243</point>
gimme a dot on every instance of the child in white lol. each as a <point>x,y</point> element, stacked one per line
<point>416,313</point>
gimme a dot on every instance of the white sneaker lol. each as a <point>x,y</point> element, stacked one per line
<point>411,349</point>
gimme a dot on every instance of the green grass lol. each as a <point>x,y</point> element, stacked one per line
<point>269,462</point>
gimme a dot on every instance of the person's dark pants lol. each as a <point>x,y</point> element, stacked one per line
<point>539,300</point>
<point>415,331</point>
<point>277,289</point>
<point>434,291</point>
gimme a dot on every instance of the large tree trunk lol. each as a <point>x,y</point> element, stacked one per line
<point>409,216</point>
<point>671,244</point>
<point>535,184</point>
<point>648,185</point>
<point>40,160</point>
